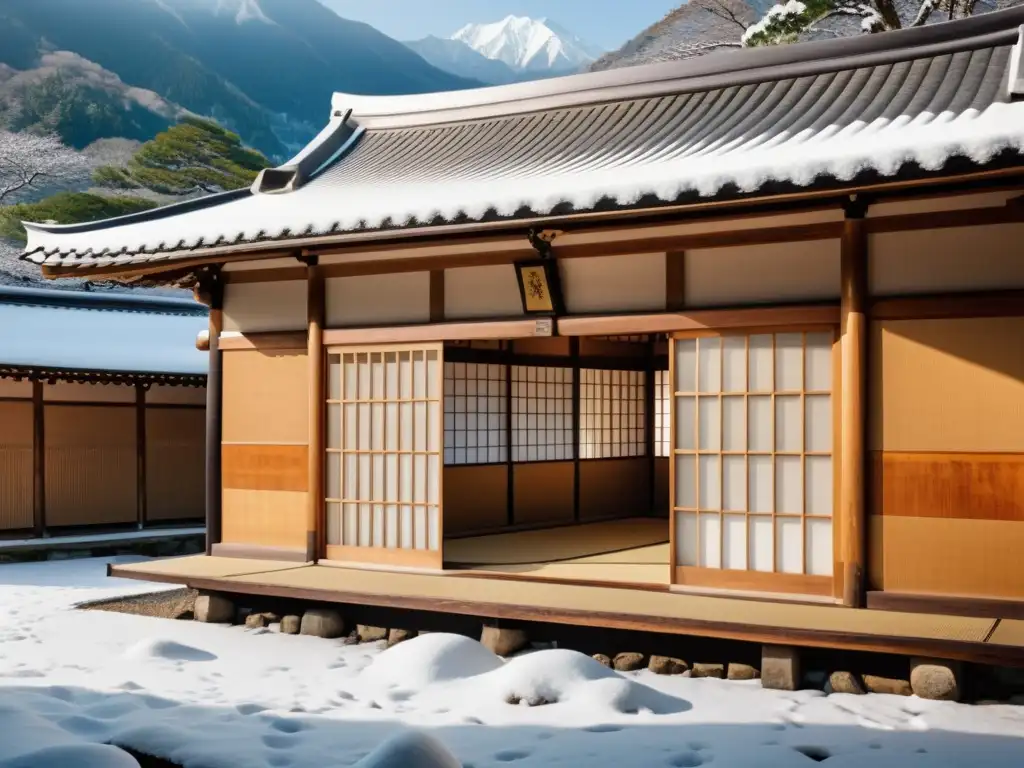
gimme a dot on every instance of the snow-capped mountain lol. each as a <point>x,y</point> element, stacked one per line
<point>529,45</point>
<point>458,58</point>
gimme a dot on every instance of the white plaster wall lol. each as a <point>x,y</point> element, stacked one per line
<point>260,307</point>
<point>614,283</point>
<point>481,292</point>
<point>378,299</point>
<point>760,274</point>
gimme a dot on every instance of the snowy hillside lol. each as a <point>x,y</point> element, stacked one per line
<point>529,44</point>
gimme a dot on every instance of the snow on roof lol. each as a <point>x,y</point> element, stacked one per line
<point>118,333</point>
<point>740,124</point>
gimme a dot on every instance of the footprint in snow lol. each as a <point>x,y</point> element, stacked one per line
<point>603,728</point>
<point>699,745</point>
<point>288,725</point>
<point>279,761</point>
<point>249,709</point>
<point>686,760</point>
<point>279,740</point>
<point>511,755</point>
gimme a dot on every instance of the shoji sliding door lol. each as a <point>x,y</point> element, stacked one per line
<point>753,460</point>
<point>384,454</point>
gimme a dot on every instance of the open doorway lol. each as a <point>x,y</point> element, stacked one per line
<point>555,458</point>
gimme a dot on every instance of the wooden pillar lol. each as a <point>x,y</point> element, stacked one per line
<point>210,291</point>
<point>317,407</point>
<point>852,478</point>
<point>675,280</point>
<point>437,296</point>
<point>574,347</point>
<point>649,444</point>
<point>38,462</point>
<point>140,453</point>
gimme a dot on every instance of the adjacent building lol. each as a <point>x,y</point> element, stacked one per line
<point>102,403</point>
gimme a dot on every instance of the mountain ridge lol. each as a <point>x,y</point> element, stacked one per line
<point>264,68</point>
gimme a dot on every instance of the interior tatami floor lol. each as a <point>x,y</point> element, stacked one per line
<point>631,550</point>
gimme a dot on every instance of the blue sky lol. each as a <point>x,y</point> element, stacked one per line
<point>606,23</point>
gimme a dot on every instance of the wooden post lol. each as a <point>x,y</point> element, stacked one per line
<point>317,407</point>
<point>437,296</point>
<point>574,347</point>
<point>852,479</point>
<point>675,280</point>
<point>38,462</point>
<point>210,291</point>
<point>140,453</point>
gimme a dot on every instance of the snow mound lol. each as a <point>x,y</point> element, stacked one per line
<point>77,755</point>
<point>560,675</point>
<point>411,749</point>
<point>433,658</point>
<point>166,649</point>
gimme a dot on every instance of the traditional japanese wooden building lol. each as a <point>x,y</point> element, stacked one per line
<point>102,400</point>
<point>630,348</point>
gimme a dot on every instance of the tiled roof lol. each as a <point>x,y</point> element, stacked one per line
<point>731,124</point>
<point>122,335</point>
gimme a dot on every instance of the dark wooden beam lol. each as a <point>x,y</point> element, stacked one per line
<point>437,296</point>
<point>696,320</point>
<point>574,347</point>
<point>675,280</point>
<point>140,454</point>
<point>1007,303</point>
<point>278,341</point>
<point>38,461</point>
<point>315,505</point>
<point>461,331</point>
<point>214,289</point>
<point>853,409</point>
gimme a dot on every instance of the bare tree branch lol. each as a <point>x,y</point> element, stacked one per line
<point>28,161</point>
<point>719,9</point>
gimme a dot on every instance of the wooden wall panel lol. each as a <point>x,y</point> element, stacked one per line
<point>264,518</point>
<point>12,388</point>
<point>90,465</point>
<point>948,385</point>
<point>966,486</point>
<point>71,392</point>
<point>979,558</point>
<point>261,307</point>
<point>946,259</point>
<point>661,500</point>
<point>265,467</point>
<point>265,397</point>
<point>175,463</point>
<point>163,394</point>
<point>471,292</point>
<point>543,492</point>
<point>614,488</point>
<point>761,274</point>
<point>613,283</point>
<point>475,497</point>
<point>397,299</point>
<point>557,346</point>
<point>15,465</point>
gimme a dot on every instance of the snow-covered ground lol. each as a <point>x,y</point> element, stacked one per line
<point>209,696</point>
